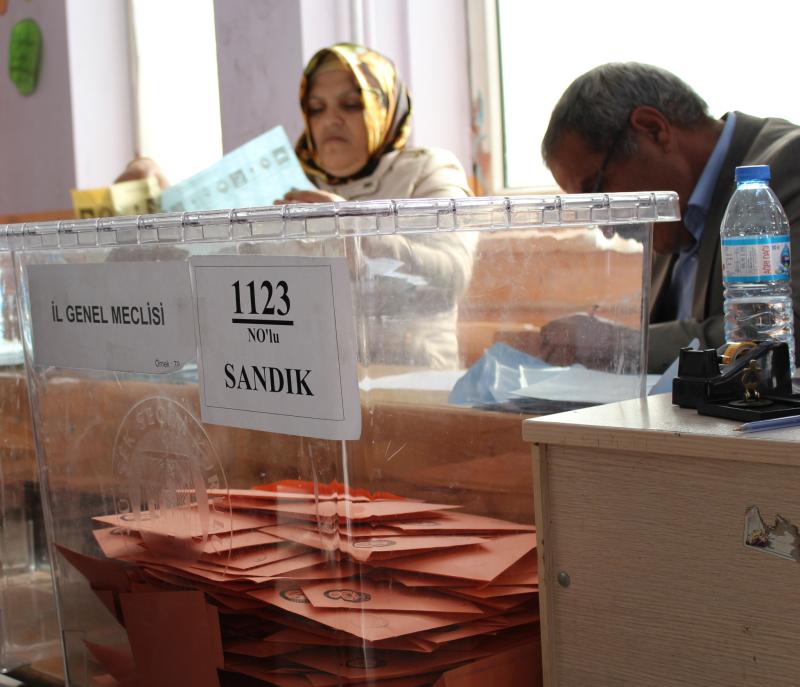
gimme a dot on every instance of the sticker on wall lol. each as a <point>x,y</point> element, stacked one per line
<point>781,539</point>
<point>24,55</point>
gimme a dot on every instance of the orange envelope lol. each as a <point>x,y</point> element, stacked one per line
<point>268,507</point>
<point>370,625</point>
<point>364,548</point>
<point>479,627</point>
<point>521,617</point>
<point>324,571</point>
<point>233,602</point>
<point>308,536</point>
<point>483,563</point>
<point>256,557</point>
<point>377,665</point>
<point>291,622</point>
<point>117,542</point>
<point>502,603</point>
<point>422,580</point>
<point>102,574</point>
<point>109,600</point>
<point>525,571</point>
<point>462,522</point>
<point>222,543</point>
<point>376,547</point>
<point>492,591</point>
<point>187,522</point>
<point>355,530</point>
<point>282,495</point>
<point>520,666</point>
<point>363,593</point>
<point>505,603</point>
<point>172,638</point>
<point>181,569</point>
<point>220,573</point>
<point>319,636</point>
<point>257,648</point>
<point>333,488</point>
<point>377,510</point>
<point>178,579</point>
<point>295,562</point>
<point>455,632</point>
<point>303,637</point>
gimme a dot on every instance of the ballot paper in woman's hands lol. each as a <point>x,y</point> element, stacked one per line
<point>257,173</point>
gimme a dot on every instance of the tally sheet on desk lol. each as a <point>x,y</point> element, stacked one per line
<point>505,377</point>
<point>257,173</point>
<point>576,383</point>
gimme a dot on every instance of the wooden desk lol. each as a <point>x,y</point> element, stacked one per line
<point>646,579</point>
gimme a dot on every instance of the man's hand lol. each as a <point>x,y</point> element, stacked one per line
<point>592,341</point>
<point>314,196</point>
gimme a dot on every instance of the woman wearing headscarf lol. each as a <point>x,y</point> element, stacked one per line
<point>357,116</point>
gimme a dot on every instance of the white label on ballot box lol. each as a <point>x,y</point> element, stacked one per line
<point>277,345</point>
<point>118,316</point>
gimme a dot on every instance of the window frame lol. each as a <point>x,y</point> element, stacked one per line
<point>486,83</point>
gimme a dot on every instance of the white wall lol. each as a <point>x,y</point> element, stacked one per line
<point>101,90</point>
<point>36,149</point>
<point>439,75</point>
<point>325,22</point>
<point>259,53</point>
<point>176,85</point>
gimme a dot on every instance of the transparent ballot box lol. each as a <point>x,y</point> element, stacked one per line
<point>282,446</point>
<point>28,625</point>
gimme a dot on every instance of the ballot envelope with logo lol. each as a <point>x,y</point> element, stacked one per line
<point>259,461</point>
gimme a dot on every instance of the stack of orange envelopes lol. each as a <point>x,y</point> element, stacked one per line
<point>301,585</point>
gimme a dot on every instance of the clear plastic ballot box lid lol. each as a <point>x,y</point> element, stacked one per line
<point>282,445</point>
<point>28,624</point>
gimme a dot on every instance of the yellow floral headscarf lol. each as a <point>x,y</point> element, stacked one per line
<point>387,107</point>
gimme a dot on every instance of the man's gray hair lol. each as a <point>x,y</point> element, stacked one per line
<point>597,105</point>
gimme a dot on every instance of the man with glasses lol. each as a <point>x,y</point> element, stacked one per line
<point>635,127</point>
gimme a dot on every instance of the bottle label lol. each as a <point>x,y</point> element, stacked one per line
<point>755,258</point>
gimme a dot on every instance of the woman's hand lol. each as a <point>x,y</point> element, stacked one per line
<point>315,196</point>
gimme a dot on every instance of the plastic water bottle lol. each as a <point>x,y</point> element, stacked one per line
<point>756,262</point>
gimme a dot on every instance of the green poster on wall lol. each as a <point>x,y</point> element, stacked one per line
<point>24,55</point>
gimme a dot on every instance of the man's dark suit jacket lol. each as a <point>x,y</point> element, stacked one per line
<point>773,142</point>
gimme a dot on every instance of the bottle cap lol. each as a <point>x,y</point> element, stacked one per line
<point>752,173</point>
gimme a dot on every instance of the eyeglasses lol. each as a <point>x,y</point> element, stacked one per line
<point>600,179</point>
